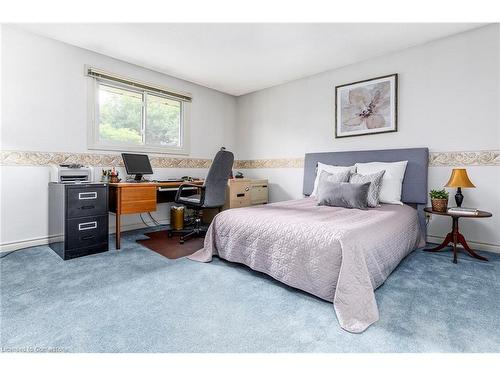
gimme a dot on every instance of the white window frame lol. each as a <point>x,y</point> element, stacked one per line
<point>94,141</point>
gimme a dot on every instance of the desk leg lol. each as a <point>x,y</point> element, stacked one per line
<point>118,218</point>
<point>117,234</point>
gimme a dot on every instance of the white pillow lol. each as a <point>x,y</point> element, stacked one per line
<point>330,169</point>
<point>392,181</point>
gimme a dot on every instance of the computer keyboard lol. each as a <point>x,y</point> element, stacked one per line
<point>170,180</point>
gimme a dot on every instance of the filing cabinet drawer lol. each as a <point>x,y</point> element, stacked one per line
<point>86,201</point>
<point>239,193</point>
<point>86,231</point>
<point>238,188</point>
<point>259,194</point>
<point>137,199</point>
<point>246,192</point>
<point>240,202</point>
<point>141,193</point>
<point>94,249</point>
<point>133,207</point>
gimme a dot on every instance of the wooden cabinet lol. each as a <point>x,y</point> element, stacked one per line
<point>241,192</point>
<point>259,192</point>
<point>238,193</point>
<point>244,192</point>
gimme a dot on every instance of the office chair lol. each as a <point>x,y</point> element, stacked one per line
<point>213,194</point>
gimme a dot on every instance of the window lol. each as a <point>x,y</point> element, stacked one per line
<point>133,116</point>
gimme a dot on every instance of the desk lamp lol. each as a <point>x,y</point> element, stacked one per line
<point>459,179</point>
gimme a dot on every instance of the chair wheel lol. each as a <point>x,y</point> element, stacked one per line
<point>170,234</point>
<point>181,241</point>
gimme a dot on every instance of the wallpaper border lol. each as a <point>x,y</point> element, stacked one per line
<point>436,159</point>
<point>40,158</point>
<point>464,158</point>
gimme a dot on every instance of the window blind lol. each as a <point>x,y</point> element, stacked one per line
<point>106,76</point>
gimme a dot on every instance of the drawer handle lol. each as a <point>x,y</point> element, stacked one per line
<point>87,226</point>
<point>240,195</point>
<point>87,207</point>
<point>89,195</point>
<point>88,237</point>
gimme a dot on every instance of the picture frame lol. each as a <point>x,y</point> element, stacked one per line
<point>367,107</point>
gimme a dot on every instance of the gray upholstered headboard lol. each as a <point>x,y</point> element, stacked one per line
<point>415,179</point>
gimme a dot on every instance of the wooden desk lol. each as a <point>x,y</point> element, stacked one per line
<point>135,198</point>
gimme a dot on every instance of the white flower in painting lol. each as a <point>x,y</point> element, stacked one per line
<point>367,108</point>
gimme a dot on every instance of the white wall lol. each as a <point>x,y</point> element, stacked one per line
<point>44,101</point>
<point>45,97</point>
<point>448,101</point>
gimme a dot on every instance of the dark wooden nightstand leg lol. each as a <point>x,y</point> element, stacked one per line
<point>472,253</point>
<point>447,240</point>
<point>455,248</point>
<point>455,238</point>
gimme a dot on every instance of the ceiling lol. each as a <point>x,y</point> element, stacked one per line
<point>241,58</point>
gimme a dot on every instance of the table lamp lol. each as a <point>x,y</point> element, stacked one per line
<point>459,179</point>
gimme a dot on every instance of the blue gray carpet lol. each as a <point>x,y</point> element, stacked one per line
<point>135,300</point>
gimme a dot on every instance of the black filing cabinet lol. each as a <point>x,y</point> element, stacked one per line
<point>78,219</point>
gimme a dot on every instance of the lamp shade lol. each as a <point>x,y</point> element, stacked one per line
<point>459,178</point>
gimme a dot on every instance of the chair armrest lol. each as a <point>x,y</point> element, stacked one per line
<point>190,184</point>
<point>187,184</point>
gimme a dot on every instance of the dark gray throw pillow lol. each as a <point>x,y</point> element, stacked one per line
<point>343,194</point>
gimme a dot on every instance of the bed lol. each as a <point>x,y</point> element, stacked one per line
<point>340,255</point>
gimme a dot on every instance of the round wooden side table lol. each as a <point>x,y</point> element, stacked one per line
<point>455,236</point>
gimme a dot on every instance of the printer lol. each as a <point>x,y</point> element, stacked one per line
<point>71,174</point>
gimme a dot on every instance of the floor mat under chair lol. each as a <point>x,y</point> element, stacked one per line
<point>170,247</point>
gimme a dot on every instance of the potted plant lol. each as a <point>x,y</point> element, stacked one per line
<point>439,200</point>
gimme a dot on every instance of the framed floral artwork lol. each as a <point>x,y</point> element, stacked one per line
<point>367,107</point>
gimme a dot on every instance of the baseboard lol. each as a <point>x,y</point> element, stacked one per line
<point>16,245</point>
<point>492,248</point>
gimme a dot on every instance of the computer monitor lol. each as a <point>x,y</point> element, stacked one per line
<point>137,164</point>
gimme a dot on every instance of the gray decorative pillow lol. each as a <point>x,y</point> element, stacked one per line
<point>342,176</point>
<point>342,194</point>
<point>375,180</point>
